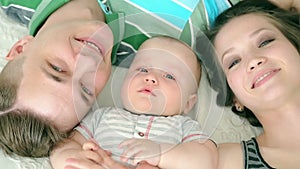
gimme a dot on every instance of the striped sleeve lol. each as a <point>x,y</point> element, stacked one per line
<point>89,123</point>
<point>192,130</point>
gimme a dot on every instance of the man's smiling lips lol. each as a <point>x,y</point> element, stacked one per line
<point>263,77</point>
<point>89,42</point>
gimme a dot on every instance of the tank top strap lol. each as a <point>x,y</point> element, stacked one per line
<point>252,156</point>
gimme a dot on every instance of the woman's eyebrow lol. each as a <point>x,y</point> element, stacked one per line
<point>258,31</point>
<point>226,52</point>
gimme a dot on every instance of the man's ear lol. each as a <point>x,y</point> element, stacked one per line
<point>18,47</point>
<point>190,103</point>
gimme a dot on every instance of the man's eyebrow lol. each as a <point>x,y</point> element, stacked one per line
<point>57,79</point>
<point>51,76</point>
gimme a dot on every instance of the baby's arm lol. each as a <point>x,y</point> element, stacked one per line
<point>194,154</point>
<point>77,152</point>
<point>71,153</point>
<point>141,150</point>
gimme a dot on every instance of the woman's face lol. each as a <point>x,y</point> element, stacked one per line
<point>66,67</point>
<point>261,65</point>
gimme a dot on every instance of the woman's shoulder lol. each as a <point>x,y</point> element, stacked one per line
<point>230,156</point>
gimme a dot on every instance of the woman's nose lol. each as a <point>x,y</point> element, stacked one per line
<point>254,63</point>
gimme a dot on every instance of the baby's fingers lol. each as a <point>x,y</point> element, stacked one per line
<point>131,152</point>
<point>127,143</point>
<point>90,145</point>
<point>145,165</point>
<point>130,144</point>
<point>73,163</point>
<point>87,156</point>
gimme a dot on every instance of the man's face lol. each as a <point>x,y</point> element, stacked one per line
<point>66,67</point>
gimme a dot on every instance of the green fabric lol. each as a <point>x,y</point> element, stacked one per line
<point>234,1</point>
<point>116,24</point>
<point>140,26</point>
<point>45,8</point>
<point>133,35</point>
<point>32,4</point>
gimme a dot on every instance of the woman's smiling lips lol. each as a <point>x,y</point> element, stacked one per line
<point>263,77</point>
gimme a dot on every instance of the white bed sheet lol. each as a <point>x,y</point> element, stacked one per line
<point>220,123</point>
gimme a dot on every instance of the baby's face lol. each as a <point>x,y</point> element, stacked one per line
<point>160,79</point>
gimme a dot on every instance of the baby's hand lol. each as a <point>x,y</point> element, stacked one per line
<point>90,156</point>
<point>140,150</point>
<point>85,159</point>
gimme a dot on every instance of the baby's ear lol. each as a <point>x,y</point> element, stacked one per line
<point>190,103</point>
<point>18,47</point>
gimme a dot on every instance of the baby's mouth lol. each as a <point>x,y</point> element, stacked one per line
<point>147,91</point>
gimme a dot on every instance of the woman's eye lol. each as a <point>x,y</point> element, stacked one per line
<point>86,90</point>
<point>169,76</point>
<point>264,43</point>
<point>233,63</point>
<point>143,70</point>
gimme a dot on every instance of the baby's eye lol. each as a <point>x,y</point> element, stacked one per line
<point>86,90</point>
<point>266,42</point>
<point>233,63</point>
<point>169,76</point>
<point>143,70</point>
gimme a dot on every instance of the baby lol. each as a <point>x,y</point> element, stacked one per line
<point>159,88</point>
